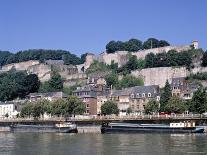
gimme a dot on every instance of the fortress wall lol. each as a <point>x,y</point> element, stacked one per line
<point>20,65</point>
<point>158,76</point>
<point>43,71</point>
<point>142,53</point>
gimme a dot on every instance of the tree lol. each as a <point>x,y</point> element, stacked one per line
<point>97,67</point>
<point>150,60</point>
<point>26,110</point>
<point>75,106</point>
<point>176,105</point>
<point>129,110</point>
<point>130,81</point>
<point>32,83</point>
<point>111,47</point>
<point>152,107</point>
<point>4,55</point>
<point>42,55</point>
<point>163,43</point>
<point>109,107</point>
<point>14,84</point>
<point>56,82</point>
<point>199,101</point>
<point>204,59</point>
<point>165,96</point>
<point>133,45</point>
<point>151,43</point>
<point>112,79</point>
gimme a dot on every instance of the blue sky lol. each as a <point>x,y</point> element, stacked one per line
<point>87,25</point>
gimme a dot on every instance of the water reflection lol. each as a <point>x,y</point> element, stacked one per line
<point>110,144</point>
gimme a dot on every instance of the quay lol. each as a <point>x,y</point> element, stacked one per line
<point>199,119</point>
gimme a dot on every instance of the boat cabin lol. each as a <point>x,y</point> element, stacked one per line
<point>182,124</point>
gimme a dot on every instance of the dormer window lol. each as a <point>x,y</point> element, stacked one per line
<point>143,95</point>
<point>137,95</point>
<point>149,94</point>
<point>132,95</point>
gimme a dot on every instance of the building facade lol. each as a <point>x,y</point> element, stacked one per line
<point>135,97</point>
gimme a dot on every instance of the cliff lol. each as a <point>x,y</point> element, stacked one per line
<point>158,76</point>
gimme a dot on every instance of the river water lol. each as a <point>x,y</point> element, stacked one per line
<point>107,144</point>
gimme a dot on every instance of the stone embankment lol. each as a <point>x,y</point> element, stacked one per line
<point>89,129</point>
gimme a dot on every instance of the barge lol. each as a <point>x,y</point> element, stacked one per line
<point>181,127</point>
<point>59,128</point>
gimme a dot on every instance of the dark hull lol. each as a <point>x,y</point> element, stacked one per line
<point>46,129</point>
<point>109,129</point>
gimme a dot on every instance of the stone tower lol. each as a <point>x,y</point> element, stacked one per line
<point>195,44</point>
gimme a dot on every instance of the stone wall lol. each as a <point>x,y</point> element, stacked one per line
<point>20,65</point>
<point>142,53</point>
<point>158,76</point>
<point>119,57</point>
<point>43,71</point>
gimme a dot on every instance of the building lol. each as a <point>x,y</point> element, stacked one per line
<point>92,96</point>
<point>51,96</point>
<point>183,88</point>
<point>8,110</point>
<point>135,97</point>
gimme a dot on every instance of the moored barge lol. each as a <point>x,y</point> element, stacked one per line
<point>62,127</point>
<point>181,127</point>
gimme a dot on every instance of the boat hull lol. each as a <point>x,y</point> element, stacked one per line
<point>109,129</point>
<point>46,129</point>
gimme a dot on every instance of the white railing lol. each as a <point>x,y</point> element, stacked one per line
<point>109,117</point>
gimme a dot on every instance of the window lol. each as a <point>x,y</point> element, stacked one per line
<point>149,94</point>
<point>132,95</point>
<point>137,95</point>
<point>143,95</point>
<point>87,105</point>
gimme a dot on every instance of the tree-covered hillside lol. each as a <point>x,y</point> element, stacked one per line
<point>38,54</point>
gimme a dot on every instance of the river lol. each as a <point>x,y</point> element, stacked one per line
<point>107,144</point>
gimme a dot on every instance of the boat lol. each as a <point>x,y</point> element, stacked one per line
<point>62,127</point>
<point>180,127</point>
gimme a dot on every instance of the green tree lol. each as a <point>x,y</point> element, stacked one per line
<point>27,110</point>
<point>199,101</point>
<point>151,43</point>
<point>152,107</point>
<point>75,105</point>
<point>129,110</point>
<point>112,80</point>
<point>109,107</point>
<point>150,60</point>
<point>165,96</point>
<point>204,59</point>
<point>4,55</point>
<point>56,82</point>
<point>97,67</point>
<point>133,45</point>
<point>15,84</point>
<point>176,105</point>
<point>130,81</point>
<point>163,43</point>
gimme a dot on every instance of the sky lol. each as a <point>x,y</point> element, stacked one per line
<point>82,26</point>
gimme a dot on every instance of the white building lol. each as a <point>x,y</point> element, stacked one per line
<point>8,110</point>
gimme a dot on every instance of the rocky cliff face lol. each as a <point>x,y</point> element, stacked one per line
<point>158,76</point>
